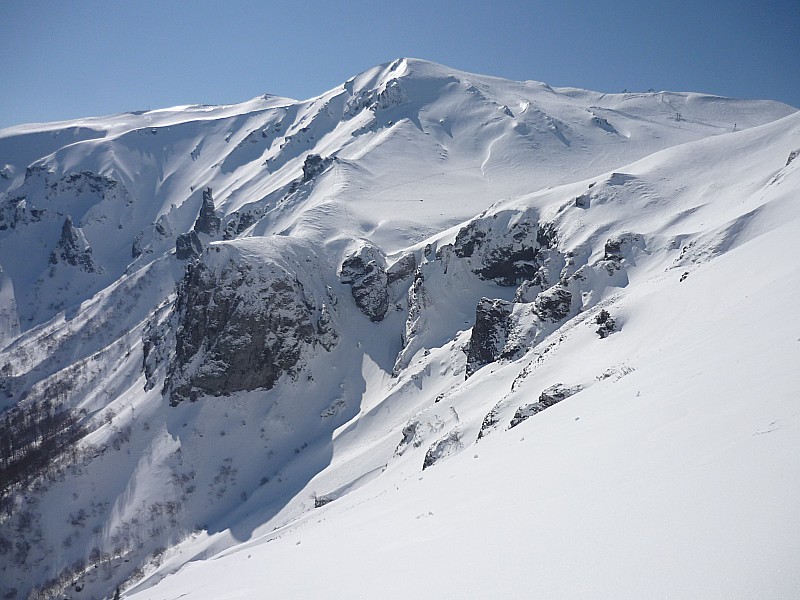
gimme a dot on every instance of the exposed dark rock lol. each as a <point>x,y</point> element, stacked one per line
<point>365,273</point>
<point>529,289</point>
<point>326,333</point>
<point>162,227</point>
<point>547,237</point>
<point>606,323</point>
<point>208,221</point>
<point>73,249</point>
<point>792,155</point>
<point>603,124</point>
<point>370,293</point>
<point>374,100</point>
<point>612,250</point>
<point>490,421</point>
<point>442,448</point>
<point>583,201</point>
<point>509,267</point>
<point>239,329</point>
<point>239,221</point>
<point>468,238</point>
<point>136,246</point>
<point>489,334</point>
<point>505,254</point>
<point>617,248</point>
<point>320,501</point>
<point>157,341</point>
<point>188,245</point>
<point>552,395</point>
<point>404,267</point>
<point>418,301</point>
<point>553,305</point>
<point>13,212</point>
<point>85,182</point>
<point>411,437</point>
<point>315,165</point>
<point>620,248</point>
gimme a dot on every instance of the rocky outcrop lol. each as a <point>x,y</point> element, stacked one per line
<point>188,245</point>
<point>326,332</point>
<point>208,221</point>
<point>620,247</point>
<point>542,279</point>
<point>238,328</point>
<point>314,165</point>
<point>553,305</point>
<point>240,221</point>
<point>158,340</point>
<point>489,334</point>
<point>85,182</point>
<point>621,250</point>
<point>606,323</point>
<point>468,239</point>
<point>73,249</point>
<point>375,100</point>
<point>365,272</point>
<point>490,421</point>
<point>418,302</point>
<point>512,248</point>
<point>404,267</point>
<point>552,395</point>
<point>412,436</point>
<point>155,237</point>
<point>444,447</point>
<point>583,201</point>
<point>508,248</point>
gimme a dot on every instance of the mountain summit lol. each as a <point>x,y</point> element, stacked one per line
<point>479,337</point>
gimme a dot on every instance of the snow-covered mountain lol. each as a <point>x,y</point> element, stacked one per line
<point>429,333</point>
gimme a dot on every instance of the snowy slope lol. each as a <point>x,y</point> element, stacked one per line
<point>405,134</point>
<point>349,239</point>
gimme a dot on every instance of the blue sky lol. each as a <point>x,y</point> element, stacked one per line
<point>65,59</point>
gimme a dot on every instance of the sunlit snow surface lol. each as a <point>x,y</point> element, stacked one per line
<point>673,473</point>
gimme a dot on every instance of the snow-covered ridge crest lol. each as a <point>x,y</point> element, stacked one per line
<point>249,328</point>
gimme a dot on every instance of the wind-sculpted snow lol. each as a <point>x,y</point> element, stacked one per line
<point>255,325</point>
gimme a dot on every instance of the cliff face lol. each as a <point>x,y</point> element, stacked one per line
<point>239,325</point>
<point>365,272</point>
<point>73,249</point>
<point>226,344</point>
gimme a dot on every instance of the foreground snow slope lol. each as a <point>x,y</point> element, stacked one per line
<point>267,319</point>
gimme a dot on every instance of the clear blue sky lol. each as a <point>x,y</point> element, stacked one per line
<point>61,59</point>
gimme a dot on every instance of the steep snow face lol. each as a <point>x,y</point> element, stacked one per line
<point>263,321</point>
